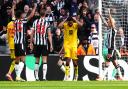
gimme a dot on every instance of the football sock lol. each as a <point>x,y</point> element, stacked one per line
<point>17,70</point>
<point>67,71</point>
<point>21,66</point>
<point>44,70</point>
<point>62,67</point>
<point>76,71</point>
<point>36,70</point>
<point>12,67</point>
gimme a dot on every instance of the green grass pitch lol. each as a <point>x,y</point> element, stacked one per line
<point>65,85</point>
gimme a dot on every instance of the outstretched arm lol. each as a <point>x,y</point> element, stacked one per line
<point>62,23</point>
<point>78,22</point>
<point>112,21</point>
<point>13,8</point>
<point>103,20</point>
<point>33,12</point>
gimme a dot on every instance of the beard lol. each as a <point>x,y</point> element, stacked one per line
<point>70,24</point>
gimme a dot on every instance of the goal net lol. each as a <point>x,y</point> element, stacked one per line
<point>120,14</point>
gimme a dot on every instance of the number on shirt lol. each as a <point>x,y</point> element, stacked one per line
<point>70,32</point>
<point>18,27</point>
<point>11,32</point>
<point>40,30</point>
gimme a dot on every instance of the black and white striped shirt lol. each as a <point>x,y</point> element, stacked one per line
<point>111,38</point>
<point>60,5</point>
<point>40,33</point>
<point>93,39</point>
<point>50,18</point>
<point>20,27</point>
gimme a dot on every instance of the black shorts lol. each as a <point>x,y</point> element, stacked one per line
<point>19,50</point>
<point>40,50</point>
<point>113,53</point>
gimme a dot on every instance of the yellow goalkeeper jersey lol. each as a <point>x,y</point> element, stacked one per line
<point>10,34</point>
<point>70,34</point>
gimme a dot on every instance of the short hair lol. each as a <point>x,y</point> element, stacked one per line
<point>69,18</point>
<point>18,13</point>
<point>42,12</point>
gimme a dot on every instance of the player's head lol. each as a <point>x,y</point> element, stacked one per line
<point>121,32</point>
<point>26,8</point>
<point>42,12</point>
<point>19,14</point>
<point>111,22</point>
<point>85,41</point>
<point>113,11</point>
<point>58,32</point>
<point>9,10</point>
<point>70,21</point>
<point>93,28</point>
<point>48,9</point>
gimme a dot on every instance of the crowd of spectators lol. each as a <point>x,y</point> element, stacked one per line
<point>56,11</point>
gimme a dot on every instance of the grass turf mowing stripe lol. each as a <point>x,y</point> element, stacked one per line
<point>65,85</point>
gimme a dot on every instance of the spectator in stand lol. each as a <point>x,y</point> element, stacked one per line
<point>45,2</point>
<point>57,5</point>
<point>63,14</point>
<point>92,4</point>
<point>90,18</point>
<point>26,10</point>
<point>96,19</point>
<point>20,4</point>
<point>121,33</point>
<point>83,6</point>
<point>85,16</point>
<point>49,15</point>
<point>93,38</point>
<point>120,42</point>
<point>124,52</point>
<point>57,41</point>
<point>85,48</point>
<point>54,27</point>
<point>58,48</point>
<point>41,6</point>
<point>85,29</point>
<point>7,16</point>
<point>74,8</point>
<point>4,6</point>
<point>5,19</point>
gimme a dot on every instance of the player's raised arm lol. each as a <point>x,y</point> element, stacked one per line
<point>112,21</point>
<point>13,8</point>
<point>33,12</point>
<point>103,20</point>
<point>62,23</point>
<point>78,22</point>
